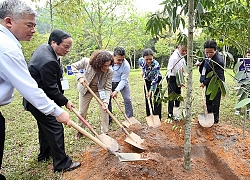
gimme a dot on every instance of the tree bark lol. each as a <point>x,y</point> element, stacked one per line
<point>187,138</point>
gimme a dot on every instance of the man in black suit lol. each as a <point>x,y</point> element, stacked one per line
<point>45,68</point>
<point>213,62</point>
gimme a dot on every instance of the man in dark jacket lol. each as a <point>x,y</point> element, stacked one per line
<point>213,62</point>
<point>45,68</point>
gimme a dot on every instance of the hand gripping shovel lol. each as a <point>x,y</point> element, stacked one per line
<point>131,138</point>
<point>152,120</point>
<point>121,156</point>
<point>205,119</point>
<point>110,142</point>
<point>129,121</point>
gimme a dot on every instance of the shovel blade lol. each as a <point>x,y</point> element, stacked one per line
<point>135,140</point>
<point>133,120</point>
<point>176,111</point>
<point>131,157</point>
<point>126,124</point>
<point>130,121</point>
<point>109,142</point>
<point>206,120</point>
<point>153,121</point>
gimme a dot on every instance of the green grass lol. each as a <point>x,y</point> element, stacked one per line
<point>21,145</point>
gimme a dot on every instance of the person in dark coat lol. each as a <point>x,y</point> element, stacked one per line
<point>212,62</point>
<point>45,68</point>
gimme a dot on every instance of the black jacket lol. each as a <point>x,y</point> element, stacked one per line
<point>212,65</point>
<point>46,70</point>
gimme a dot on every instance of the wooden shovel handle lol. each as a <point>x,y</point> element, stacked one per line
<point>85,122</point>
<point>149,104</point>
<point>123,112</point>
<point>111,115</point>
<point>81,130</point>
<point>203,100</point>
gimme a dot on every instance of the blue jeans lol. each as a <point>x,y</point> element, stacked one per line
<point>126,99</point>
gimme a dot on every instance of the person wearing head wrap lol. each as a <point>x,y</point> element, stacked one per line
<point>45,68</point>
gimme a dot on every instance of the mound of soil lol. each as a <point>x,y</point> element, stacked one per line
<point>217,153</point>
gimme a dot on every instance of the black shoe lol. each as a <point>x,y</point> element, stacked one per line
<point>2,177</point>
<point>78,135</point>
<point>170,116</point>
<point>73,166</point>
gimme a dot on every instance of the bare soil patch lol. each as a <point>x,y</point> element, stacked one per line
<point>217,153</point>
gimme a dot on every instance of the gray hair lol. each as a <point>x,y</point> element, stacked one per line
<point>15,9</point>
<point>147,52</point>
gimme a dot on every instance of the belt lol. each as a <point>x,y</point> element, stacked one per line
<point>115,82</point>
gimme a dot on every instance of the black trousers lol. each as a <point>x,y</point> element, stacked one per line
<point>51,139</point>
<point>157,106</point>
<point>2,137</point>
<point>213,106</point>
<point>172,87</point>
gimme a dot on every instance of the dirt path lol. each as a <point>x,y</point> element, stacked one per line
<point>217,153</point>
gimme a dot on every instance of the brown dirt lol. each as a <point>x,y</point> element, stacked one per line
<point>217,153</point>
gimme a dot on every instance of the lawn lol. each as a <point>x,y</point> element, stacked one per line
<point>21,145</point>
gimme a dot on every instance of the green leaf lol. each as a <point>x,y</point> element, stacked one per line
<point>236,67</point>
<point>185,68</point>
<point>240,75</point>
<point>200,8</point>
<point>214,91</point>
<point>210,74</point>
<point>242,103</point>
<point>223,87</point>
<point>178,79</point>
<point>174,127</point>
<point>173,96</point>
<point>243,82</point>
<point>181,76</point>
<point>243,96</point>
<point>211,85</point>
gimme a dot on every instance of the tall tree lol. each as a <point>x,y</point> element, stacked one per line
<point>189,94</point>
<point>173,16</point>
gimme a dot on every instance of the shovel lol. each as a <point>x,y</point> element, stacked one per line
<point>131,138</point>
<point>110,142</point>
<point>152,120</point>
<point>205,119</point>
<point>122,156</point>
<point>176,112</point>
<point>129,121</point>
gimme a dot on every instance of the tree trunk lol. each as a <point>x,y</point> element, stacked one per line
<point>51,15</point>
<point>134,57</point>
<point>248,30</point>
<point>187,138</point>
